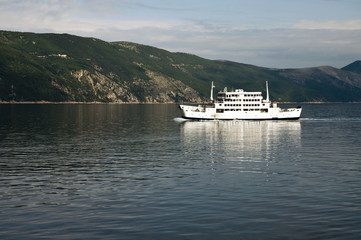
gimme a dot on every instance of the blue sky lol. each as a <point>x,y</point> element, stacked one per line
<point>269,33</point>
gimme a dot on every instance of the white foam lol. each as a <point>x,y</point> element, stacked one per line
<point>180,119</point>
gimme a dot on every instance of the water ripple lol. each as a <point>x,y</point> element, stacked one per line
<point>132,172</point>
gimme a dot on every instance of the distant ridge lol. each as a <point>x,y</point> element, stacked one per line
<point>353,67</point>
<point>68,68</point>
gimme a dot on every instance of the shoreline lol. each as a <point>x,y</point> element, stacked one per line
<point>90,103</point>
<point>85,103</point>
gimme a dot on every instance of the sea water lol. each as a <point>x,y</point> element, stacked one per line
<point>108,171</point>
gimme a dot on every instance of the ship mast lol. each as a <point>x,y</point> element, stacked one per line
<point>212,91</point>
<point>267,98</point>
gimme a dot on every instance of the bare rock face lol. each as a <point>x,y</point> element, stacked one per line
<point>166,89</point>
<point>157,89</point>
<point>102,87</point>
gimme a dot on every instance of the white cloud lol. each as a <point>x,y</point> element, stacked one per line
<point>306,43</point>
<point>280,48</point>
<point>332,24</point>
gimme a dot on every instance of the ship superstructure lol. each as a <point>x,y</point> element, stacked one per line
<point>239,105</point>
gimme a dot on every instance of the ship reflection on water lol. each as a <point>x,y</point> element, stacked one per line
<point>243,141</point>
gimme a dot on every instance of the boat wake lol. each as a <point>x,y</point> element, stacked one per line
<point>180,119</point>
<point>332,119</point>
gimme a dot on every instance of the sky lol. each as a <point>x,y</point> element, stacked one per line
<point>267,33</point>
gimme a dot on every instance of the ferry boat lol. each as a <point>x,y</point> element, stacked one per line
<point>239,105</point>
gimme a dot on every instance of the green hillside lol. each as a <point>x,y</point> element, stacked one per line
<point>62,67</point>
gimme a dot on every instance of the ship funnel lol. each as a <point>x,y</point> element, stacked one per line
<point>267,98</point>
<point>212,91</point>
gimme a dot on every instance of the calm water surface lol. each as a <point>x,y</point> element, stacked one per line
<point>132,172</point>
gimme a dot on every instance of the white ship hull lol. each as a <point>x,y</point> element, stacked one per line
<point>210,113</point>
<point>240,105</point>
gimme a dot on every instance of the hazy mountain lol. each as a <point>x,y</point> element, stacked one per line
<point>62,67</point>
<point>325,83</point>
<point>353,67</point>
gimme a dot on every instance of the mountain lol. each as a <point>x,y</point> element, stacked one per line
<point>353,67</point>
<point>325,84</point>
<point>63,67</point>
